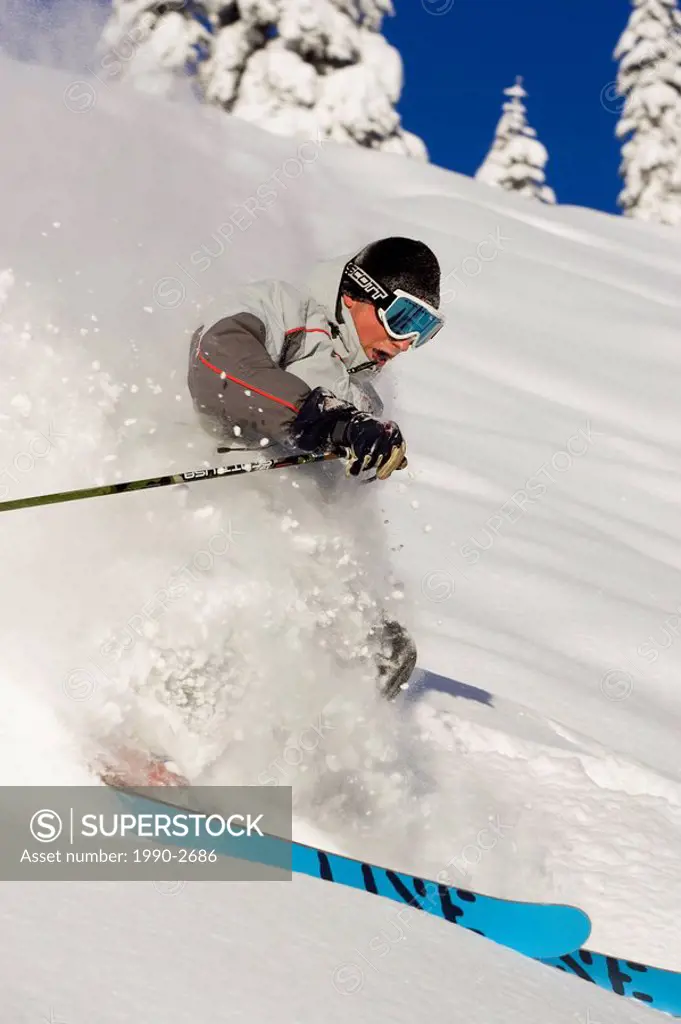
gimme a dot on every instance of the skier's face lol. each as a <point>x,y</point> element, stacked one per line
<point>373,337</point>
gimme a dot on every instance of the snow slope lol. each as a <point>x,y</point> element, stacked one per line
<point>125,953</point>
<point>532,547</point>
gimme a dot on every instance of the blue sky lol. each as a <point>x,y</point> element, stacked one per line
<point>457,64</point>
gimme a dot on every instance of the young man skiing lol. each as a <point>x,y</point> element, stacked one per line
<point>296,369</point>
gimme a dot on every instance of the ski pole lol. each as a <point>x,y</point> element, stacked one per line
<point>189,477</point>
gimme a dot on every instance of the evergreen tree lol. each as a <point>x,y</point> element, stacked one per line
<point>516,159</point>
<point>296,67</point>
<point>649,79</point>
<point>154,43</point>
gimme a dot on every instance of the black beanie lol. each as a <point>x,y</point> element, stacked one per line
<point>399,263</point>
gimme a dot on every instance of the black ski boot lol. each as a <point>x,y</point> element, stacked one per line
<point>396,658</point>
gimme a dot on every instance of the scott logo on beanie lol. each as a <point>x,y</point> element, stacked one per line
<point>365,282</point>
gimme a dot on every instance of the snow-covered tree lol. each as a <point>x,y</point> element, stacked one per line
<point>154,44</point>
<point>649,79</point>
<point>517,159</point>
<point>296,67</point>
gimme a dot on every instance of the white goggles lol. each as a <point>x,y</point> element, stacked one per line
<point>404,316</point>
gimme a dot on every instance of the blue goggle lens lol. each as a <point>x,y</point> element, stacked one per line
<point>404,317</point>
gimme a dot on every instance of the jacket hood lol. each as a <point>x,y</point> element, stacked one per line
<point>323,282</point>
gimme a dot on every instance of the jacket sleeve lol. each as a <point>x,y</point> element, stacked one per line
<point>239,392</point>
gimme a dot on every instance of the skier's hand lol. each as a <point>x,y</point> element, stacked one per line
<point>324,421</point>
<point>375,445</point>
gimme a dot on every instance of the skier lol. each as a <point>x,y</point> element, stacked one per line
<point>296,368</point>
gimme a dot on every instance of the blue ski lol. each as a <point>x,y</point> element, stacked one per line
<point>524,927</point>
<point>650,985</point>
<point>538,930</point>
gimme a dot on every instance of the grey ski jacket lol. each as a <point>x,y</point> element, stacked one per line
<point>250,371</point>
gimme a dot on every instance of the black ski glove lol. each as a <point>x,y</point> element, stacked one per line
<point>374,445</point>
<point>324,421</point>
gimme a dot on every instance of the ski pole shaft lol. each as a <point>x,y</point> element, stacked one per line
<point>190,477</point>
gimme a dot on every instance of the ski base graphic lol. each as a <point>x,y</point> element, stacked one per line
<point>650,985</point>
<point>550,933</point>
<point>524,927</point>
<point>538,930</point>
